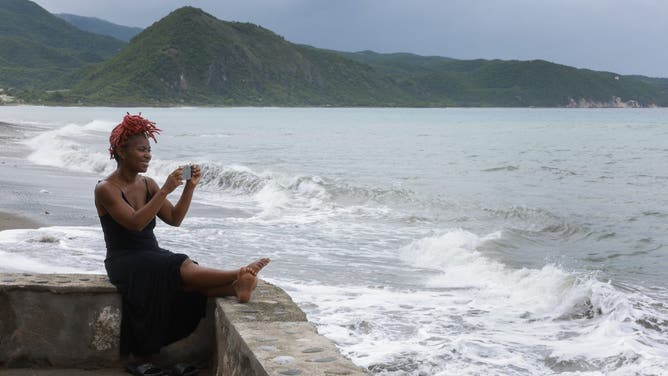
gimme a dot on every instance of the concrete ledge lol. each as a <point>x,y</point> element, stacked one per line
<point>72,321</point>
<point>57,283</point>
<point>271,336</point>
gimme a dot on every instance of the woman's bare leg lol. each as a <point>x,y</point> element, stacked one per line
<point>242,286</point>
<point>214,282</point>
<point>199,277</point>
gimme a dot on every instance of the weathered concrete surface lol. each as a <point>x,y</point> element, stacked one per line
<point>54,324</point>
<point>72,372</point>
<point>73,321</point>
<point>61,372</point>
<point>271,336</point>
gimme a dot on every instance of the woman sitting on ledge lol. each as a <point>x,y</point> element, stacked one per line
<point>164,293</point>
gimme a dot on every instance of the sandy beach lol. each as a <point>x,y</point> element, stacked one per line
<point>34,196</point>
<point>9,134</point>
<point>9,221</point>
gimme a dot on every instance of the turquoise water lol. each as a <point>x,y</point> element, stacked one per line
<point>422,241</point>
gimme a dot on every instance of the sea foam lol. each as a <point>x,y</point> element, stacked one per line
<point>64,147</point>
<point>440,268</point>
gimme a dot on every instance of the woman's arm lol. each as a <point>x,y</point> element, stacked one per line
<point>173,214</point>
<point>108,199</point>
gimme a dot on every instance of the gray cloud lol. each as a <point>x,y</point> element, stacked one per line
<point>615,35</point>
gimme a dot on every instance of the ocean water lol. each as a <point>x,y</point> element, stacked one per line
<point>421,241</point>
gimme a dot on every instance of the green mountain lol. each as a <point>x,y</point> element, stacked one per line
<point>660,83</point>
<point>191,57</point>
<point>40,50</point>
<point>401,64</point>
<point>437,81</point>
<point>102,27</point>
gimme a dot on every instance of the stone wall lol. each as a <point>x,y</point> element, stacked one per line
<point>73,321</point>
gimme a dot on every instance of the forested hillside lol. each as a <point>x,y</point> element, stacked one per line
<point>191,58</point>
<point>39,50</point>
<point>102,27</point>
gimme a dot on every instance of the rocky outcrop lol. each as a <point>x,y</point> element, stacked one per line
<point>614,102</point>
<point>5,98</point>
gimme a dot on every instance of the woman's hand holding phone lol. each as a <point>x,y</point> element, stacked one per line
<point>192,174</point>
<point>173,180</point>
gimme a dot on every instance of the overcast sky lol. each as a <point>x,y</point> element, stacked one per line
<point>623,36</point>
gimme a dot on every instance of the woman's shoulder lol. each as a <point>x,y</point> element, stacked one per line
<point>108,184</point>
<point>102,183</point>
<point>106,181</point>
<point>104,186</point>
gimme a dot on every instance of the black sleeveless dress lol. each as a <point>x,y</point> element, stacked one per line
<point>156,310</point>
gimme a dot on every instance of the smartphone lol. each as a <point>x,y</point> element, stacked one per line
<point>187,172</point>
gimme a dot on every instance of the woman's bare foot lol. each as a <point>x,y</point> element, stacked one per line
<point>257,265</point>
<point>245,284</point>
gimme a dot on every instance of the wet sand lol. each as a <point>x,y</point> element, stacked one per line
<point>36,196</point>
<point>9,135</point>
<point>9,221</point>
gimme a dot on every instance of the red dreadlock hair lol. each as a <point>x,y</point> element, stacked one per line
<point>130,126</point>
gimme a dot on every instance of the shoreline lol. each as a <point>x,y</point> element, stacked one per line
<point>36,196</point>
<point>12,221</point>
